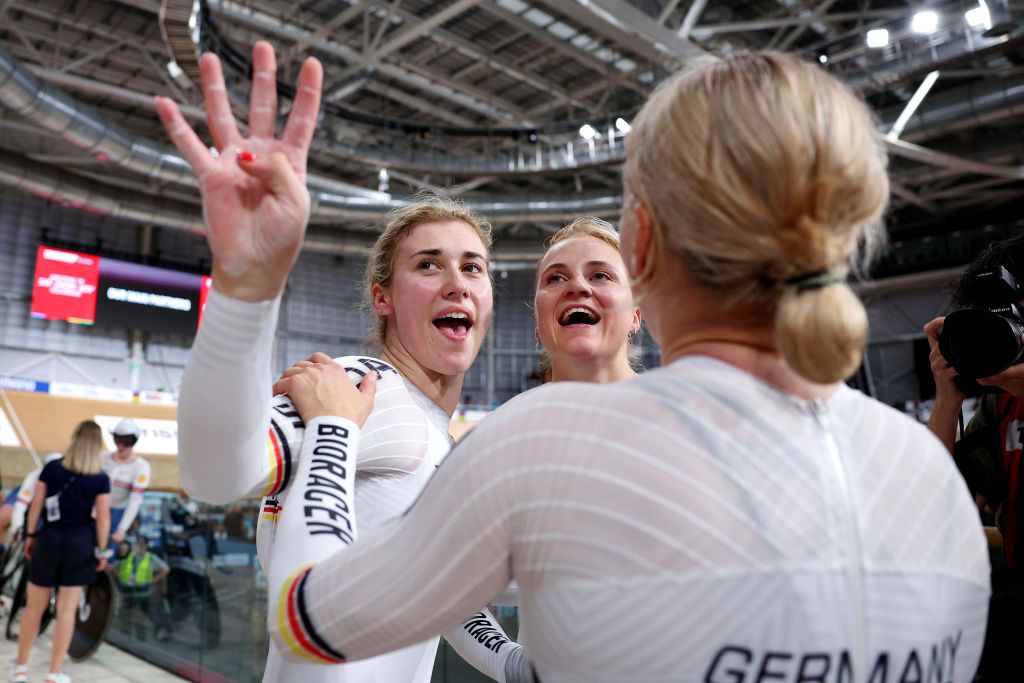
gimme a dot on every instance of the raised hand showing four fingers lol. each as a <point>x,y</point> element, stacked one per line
<point>255,202</point>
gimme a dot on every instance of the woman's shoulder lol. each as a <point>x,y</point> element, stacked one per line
<point>360,366</point>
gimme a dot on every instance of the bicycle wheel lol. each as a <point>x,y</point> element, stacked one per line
<point>18,603</point>
<point>93,622</point>
<point>10,563</point>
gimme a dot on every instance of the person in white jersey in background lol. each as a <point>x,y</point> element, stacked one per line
<point>429,286</point>
<point>25,492</point>
<point>738,514</point>
<point>584,310</point>
<point>129,478</point>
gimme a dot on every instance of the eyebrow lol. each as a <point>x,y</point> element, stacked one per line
<point>589,264</point>
<point>438,252</point>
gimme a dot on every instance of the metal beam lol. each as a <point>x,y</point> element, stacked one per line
<point>670,7</point>
<point>91,86</point>
<point>959,189</point>
<point>103,52</point>
<point>414,31</point>
<point>913,198</point>
<point>924,155</point>
<point>416,103</point>
<point>690,20</point>
<point>565,47</point>
<point>708,30</point>
<point>433,83</point>
<point>624,23</point>
<point>332,25</point>
<point>487,57</point>
<point>819,11</point>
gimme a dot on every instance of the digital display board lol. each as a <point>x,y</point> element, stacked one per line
<point>87,289</point>
<point>65,286</point>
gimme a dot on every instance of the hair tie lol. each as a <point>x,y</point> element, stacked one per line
<point>815,280</point>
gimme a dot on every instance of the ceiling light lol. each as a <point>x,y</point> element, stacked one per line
<point>978,16</point>
<point>587,132</point>
<point>823,59</point>
<point>878,37</point>
<point>174,69</point>
<point>622,125</point>
<point>925,21</point>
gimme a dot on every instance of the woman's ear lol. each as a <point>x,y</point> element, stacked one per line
<point>641,250</point>
<point>382,305</point>
<point>635,327</point>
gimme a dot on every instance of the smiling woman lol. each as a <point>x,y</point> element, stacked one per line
<point>585,314</point>
<point>428,284</point>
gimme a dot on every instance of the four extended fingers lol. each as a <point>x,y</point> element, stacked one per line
<point>220,120</point>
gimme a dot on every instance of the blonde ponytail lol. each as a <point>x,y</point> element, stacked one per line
<point>821,333</point>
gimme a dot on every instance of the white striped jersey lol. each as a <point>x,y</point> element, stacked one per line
<point>315,500</point>
<point>692,524</point>
<point>128,481</point>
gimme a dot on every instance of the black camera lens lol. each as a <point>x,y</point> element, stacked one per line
<point>980,343</point>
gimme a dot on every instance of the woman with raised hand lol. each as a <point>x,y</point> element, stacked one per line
<point>429,287</point>
<point>584,310</point>
<point>738,513</point>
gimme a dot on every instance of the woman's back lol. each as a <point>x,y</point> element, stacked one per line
<point>77,494</point>
<point>740,533</point>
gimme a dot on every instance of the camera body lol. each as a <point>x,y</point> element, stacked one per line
<point>986,339</point>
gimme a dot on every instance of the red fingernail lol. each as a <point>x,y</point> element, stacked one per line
<point>244,155</point>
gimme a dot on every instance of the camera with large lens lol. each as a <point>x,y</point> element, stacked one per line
<point>985,340</point>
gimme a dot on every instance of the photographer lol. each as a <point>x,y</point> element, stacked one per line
<point>988,454</point>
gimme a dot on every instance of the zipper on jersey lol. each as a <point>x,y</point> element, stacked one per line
<point>856,562</point>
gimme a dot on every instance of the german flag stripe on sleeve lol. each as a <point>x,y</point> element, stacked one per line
<point>295,626</point>
<point>278,461</point>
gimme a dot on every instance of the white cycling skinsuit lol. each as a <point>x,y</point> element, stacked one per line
<point>692,524</point>
<point>313,501</point>
<point>128,481</point>
<point>26,490</point>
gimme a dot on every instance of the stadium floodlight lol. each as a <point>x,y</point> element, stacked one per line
<point>925,21</point>
<point>622,125</point>
<point>587,132</point>
<point>878,37</point>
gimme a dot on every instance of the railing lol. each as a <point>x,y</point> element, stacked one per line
<point>206,621</point>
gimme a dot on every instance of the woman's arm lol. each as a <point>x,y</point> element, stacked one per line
<point>482,642</point>
<point>25,493</point>
<point>255,206</point>
<point>414,579</point>
<point>102,507</point>
<point>224,446</point>
<point>139,485</point>
<point>36,506</point>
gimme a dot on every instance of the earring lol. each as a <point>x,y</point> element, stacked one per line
<point>629,335</point>
<point>536,344</point>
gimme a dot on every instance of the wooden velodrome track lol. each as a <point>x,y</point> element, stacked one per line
<point>49,421</point>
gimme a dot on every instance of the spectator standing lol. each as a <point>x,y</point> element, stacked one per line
<point>140,575</point>
<point>70,547</point>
